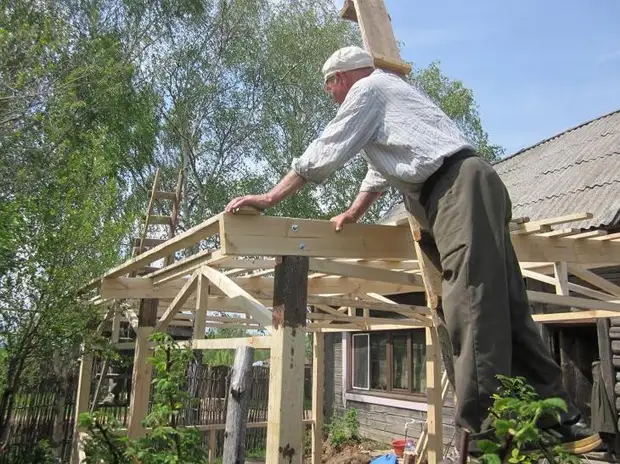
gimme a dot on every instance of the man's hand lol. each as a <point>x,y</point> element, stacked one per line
<point>342,219</point>
<point>259,202</point>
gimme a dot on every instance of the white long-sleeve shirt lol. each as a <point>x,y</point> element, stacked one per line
<point>399,131</point>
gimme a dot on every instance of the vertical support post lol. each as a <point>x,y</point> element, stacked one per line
<point>142,368</point>
<point>285,436</point>
<point>82,400</point>
<point>212,445</point>
<point>202,305</point>
<point>318,387</point>
<point>435,402</point>
<point>561,275</point>
<point>238,404</point>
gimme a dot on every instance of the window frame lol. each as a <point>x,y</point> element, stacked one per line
<point>391,392</point>
<point>352,351</point>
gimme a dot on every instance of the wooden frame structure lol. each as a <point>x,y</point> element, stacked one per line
<point>266,272</point>
<point>260,272</point>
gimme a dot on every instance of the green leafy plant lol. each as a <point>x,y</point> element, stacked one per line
<point>514,418</point>
<point>167,441</point>
<point>344,429</point>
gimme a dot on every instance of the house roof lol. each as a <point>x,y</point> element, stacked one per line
<point>575,171</point>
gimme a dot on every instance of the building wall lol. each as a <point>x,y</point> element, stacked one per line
<point>380,419</point>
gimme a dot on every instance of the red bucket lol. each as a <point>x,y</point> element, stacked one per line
<point>399,447</point>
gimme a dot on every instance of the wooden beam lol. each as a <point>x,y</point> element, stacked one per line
<point>277,236</point>
<point>533,225</point>
<point>560,270</point>
<point>81,402</point>
<point>142,287</point>
<point>364,272</point>
<point>177,303</point>
<point>571,301</point>
<point>202,306</point>
<point>253,307</point>
<point>574,316</point>
<point>258,343</point>
<point>537,248</point>
<point>376,29</point>
<point>285,438</point>
<point>318,387</point>
<point>186,266</point>
<point>434,412</point>
<point>594,279</point>
<point>192,236</point>
<point>142,369</point>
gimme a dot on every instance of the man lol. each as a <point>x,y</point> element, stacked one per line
<point>465,209</point>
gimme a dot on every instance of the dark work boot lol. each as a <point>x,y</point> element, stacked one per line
<point>575,435</point>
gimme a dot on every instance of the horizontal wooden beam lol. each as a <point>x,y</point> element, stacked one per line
<point>554,249</point>
<point>574,316</point>
<point>192,236</point>
<point>364,272</point>
<point>277,236</point>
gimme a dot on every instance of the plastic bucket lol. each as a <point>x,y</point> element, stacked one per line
<point>399,447</point>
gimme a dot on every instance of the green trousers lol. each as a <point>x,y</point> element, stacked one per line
<point>484,300</point>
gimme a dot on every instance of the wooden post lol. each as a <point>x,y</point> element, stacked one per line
<point>434,414</point>
<point>82,400</point>
<point>238,404</point>
<point>285,436</point>
<point>318,386</point>
<point>142,368</point>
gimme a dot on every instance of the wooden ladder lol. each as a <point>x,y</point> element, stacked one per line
<point>144,243</point>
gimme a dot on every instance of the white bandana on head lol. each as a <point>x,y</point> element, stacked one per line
<point>347,59</point>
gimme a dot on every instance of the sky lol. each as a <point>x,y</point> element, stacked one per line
<point>536,67</point>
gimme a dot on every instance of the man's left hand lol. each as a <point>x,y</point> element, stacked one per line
<point>259,202</point>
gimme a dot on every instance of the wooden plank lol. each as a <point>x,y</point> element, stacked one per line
<point>363,272</point>
<point>561,277</point>
<point>149,242</point>
<point>580,316</point>
<point>238,406</point>
<point>386,304</point>
<point>278,236</point>
<point>192,236</point>
<point>614,236</point>
<point>81,402</point>
<point>366,320</point>
<point>594,279</point>
<point>376,29</point>
<point>285,438</point>
<point>571,301</point>
<point>537,248</point>
<point>434,412</point>
<point>186,266</point>
<point>318,387</point>
<point>159,219</point>
<point>142,369</point>
<point>164,195</point>
<point>177,303</point>
<point>590,234</point>
<point>348,11</point>
<point>253,307</point>
<point>202,305</point>
<point>560,232</point>
<point>583,216</point>
<point>571,286</point>
<point>258,343</point>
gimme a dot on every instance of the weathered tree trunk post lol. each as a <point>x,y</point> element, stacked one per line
<point>142,368</point>
<point>285,437</point>
<point>238,405</point>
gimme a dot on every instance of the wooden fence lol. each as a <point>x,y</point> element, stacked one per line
<point>35,413</point>
<point>36,410</point>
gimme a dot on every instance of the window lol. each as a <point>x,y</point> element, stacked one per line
<point>389,361</point>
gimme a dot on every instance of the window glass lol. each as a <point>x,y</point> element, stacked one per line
<point>360,361</point>
<point>378,361</point>
<point>400,362</point>
<point>418,360</point>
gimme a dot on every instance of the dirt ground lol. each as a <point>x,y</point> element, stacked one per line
<point>361,453</point>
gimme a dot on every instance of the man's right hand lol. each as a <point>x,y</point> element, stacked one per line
<point>342,219</point>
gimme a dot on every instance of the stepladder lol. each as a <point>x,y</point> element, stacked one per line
<point>438,347</point>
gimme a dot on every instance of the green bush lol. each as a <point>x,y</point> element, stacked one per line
<point>166,442</point>
<point>344,429</point>
<point>514,416</point>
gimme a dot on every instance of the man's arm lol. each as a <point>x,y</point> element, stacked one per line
<point>289,185</point>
